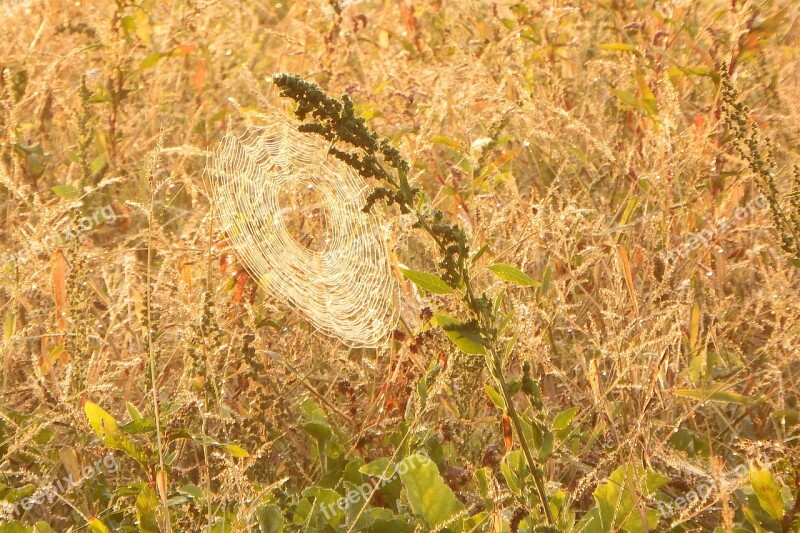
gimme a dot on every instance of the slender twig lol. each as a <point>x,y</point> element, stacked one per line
<point>150,349</point>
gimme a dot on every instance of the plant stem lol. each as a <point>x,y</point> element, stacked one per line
<point>336,120</point>
<point>538,478</point>
<point>150,350</point>
<point>497,372</point>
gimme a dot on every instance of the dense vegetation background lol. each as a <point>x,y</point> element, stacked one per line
<point>602,148</point>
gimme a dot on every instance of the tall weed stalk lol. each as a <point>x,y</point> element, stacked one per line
<point>375,158</point>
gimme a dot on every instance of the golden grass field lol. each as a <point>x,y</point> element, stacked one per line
<point>627,177</point>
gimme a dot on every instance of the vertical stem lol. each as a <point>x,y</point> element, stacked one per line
<point>152,356</point>
<point>533,464</point>
<point>331,122</point>
<point>470,300</point>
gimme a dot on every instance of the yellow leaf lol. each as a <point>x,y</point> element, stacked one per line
<point>102,423</point>
<point>10,326</point>
<point>694,327</point>
<point>69,458</point>
<point>161,483</point>
<point>96,526</point>
<point>143,28</point>
<point>383,39</point>
<point>625,264</point>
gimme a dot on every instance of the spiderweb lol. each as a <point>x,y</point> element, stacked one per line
<point>294,216</point>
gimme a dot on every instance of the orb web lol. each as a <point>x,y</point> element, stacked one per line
<point>294,216</point>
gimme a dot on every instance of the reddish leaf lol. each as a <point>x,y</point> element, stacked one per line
<point>199,78</point>
<point>184,49</point>
<point>508,435</point>
<point>241,281</point>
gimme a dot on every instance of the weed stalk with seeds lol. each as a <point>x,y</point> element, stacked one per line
<point>336,121</point>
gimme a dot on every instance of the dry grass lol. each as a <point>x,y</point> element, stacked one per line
<point>578,141</point>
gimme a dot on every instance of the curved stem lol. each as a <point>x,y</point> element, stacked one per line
<point>533,464</point>
<point>471,302</point>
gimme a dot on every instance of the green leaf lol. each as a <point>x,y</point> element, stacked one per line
<point>714,395</point>
<point>317,422</point>
<point>562,419</point>
<point>380,468</point>
<point>548,443</point>
<point>512,274</point>
<point>235,450</point>
<point>99,97</point>
<point>270,519</point>
<point>468,341</point>
<point>510,345</point>
<point>422,392</point>
<point>324,506</point>
<point>482,478</point>
<point>619,47</point>
<point>514,470</point>
<point>755,519</point>
<point>98,164</point>
<point>141,425</point>
<point>429,282</point>
<point>128,24</point>
<point>649,104</point>
<point>767,492</point>
<point>619,500</point>
<point>646,102</point>
<point>592,522</point>
<point>495,396</point>
<point>380,520</point>
<point>34,156</point>
<point>191,490</point>
<point>626,97</point>
<point>690,442</point>
<point>133,411</point>
<point>146,505</point>
<point>66,191</point>
<point>479,253</point>
<point>150,61</point>
<point>441,139</point>
<point>105,427</point>
<point>647,99</point>
<point>430,498</point>
<point>698,71</point>
<point>43,437</point>
<point>16,495</point>
<point>14,527</point>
